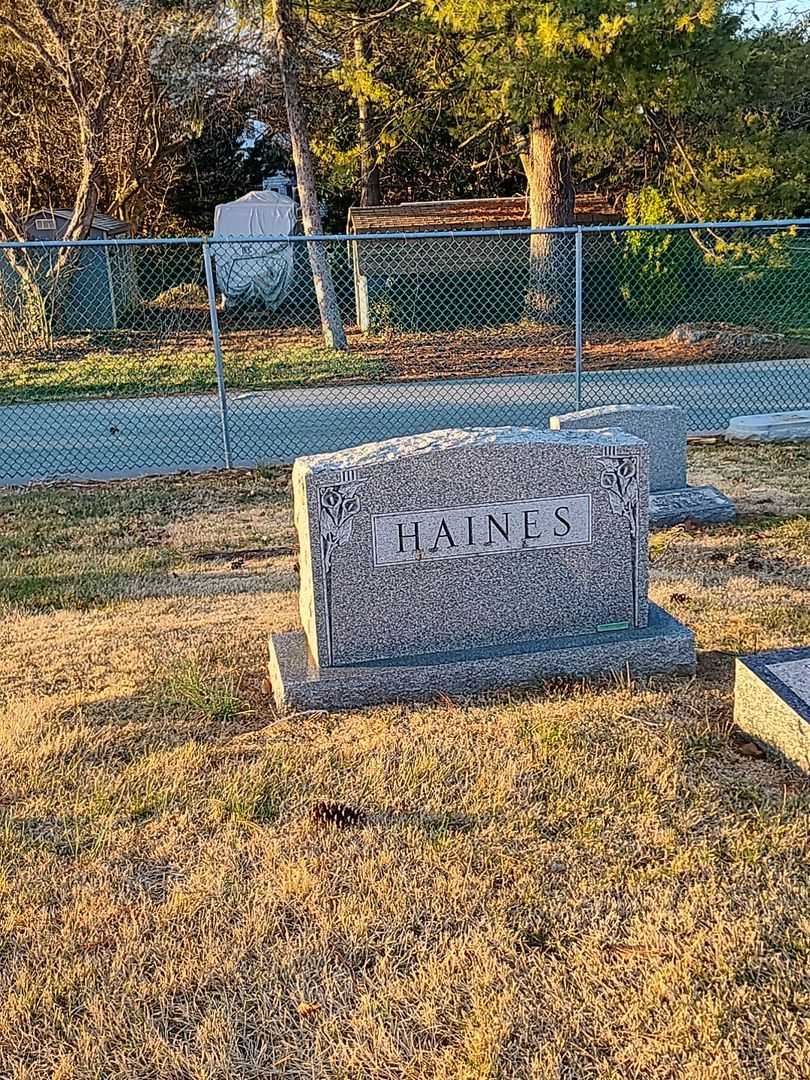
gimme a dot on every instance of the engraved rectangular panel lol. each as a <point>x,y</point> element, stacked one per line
<point>415,536</point>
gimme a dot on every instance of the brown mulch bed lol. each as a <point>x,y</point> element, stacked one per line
<point>521,350</point>
<point>525,350</point>
<point>515,349</point>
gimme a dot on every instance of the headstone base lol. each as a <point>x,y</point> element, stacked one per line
<point>664,645</point>
<point>772,701</point>
<point>704,504</point>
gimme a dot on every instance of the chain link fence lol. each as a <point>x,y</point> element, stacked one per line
<point>125,358</point>
<point>712,318</point>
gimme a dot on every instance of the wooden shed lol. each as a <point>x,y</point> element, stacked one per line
<point>100,282</point>
<point>52,225</point>
<point>412,281</point>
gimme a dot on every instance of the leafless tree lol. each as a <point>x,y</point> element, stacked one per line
<point>285,30</point>
<point>85,122</point>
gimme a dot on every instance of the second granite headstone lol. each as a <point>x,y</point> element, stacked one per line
<point>663,428</point>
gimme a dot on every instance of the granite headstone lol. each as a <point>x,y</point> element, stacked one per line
<point>462,559</point>
<point>664,429</point>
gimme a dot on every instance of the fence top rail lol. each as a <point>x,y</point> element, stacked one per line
<point>387,237</point>
<point>287,238</point>
<point>145,241</point>
<point>695,226</point>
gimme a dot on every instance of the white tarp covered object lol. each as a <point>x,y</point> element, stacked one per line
<point>253,273</point>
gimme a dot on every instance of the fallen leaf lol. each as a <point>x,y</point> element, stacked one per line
<point>750,749</point>
<point>308,1009</point>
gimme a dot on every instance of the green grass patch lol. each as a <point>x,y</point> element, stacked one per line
<point>140,374</point>
<point>255,791</point>
<point>195,686</point>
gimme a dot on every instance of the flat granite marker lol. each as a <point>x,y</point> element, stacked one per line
<point>772,701</point>
<point>770,427</point>
<point>459,560</point>
<point>663,427</point>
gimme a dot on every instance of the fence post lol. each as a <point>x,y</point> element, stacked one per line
<point>212,308</point>
<point>578,316</point>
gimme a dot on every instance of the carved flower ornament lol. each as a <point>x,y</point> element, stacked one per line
<point>339,504</point>
<point>620,481</point>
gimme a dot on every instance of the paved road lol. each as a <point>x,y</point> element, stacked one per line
<point>105,439</point>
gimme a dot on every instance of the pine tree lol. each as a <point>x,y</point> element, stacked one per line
<point>568,72</point>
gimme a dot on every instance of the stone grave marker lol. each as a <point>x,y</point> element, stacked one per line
<point>770,427</point>
<point>663,427</point>
<point>772,701</point>
<point>464,559</point>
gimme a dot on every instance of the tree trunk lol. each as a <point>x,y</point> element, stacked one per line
<point>285,30</point>
<point>547,165</point>
<point>370,189</point>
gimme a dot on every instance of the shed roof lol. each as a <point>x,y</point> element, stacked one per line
<point>498,213</point>
<point>103,222</point>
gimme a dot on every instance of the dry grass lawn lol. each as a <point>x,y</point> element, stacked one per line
<point>566,882</point>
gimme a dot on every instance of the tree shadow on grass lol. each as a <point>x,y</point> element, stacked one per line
<point>717,665</point>
<point>435,825</point>
<point>36,594</point>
